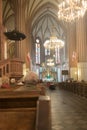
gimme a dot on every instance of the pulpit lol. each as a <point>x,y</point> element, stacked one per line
<point>13,68</point>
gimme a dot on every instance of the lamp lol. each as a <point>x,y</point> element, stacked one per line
<point>53,43</point>
<point>70,10</point>
<point>50,62</point>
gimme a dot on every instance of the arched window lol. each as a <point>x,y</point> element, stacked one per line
<point>37,51</point>
<point>57,56</point>
<point>47,52</point>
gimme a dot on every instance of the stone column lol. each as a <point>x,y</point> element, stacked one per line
<point>82,48</point>
<point>19,10</point>
<point>71,38</point>
<point>22,24</point>
<point>29,42</point>
<point>1,34</point>
<point>0,21</point>
<point>0,13</point>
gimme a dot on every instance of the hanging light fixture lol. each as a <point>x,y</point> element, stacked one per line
<point>50,62</point>
<point>69,10</point>
<point>53,43</point>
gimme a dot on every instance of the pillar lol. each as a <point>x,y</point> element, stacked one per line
<point>1,34</point>
<point>71,38</point>
<point>20,26</point>
<point>23,25</point>
<point>82,48</point>
<point>0,25</point>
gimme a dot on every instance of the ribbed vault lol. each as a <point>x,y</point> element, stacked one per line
<point>40,15</point>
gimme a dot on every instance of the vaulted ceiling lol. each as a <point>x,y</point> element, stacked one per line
<point>41,13</point>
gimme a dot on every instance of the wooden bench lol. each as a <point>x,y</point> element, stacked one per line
<point>43,117</point>
<point>18,111</point>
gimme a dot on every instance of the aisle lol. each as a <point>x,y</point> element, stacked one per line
<point>69,111</point>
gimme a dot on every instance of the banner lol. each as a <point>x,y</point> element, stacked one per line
<point>28,57</point>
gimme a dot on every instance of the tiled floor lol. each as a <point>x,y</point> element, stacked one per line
<point>69,111</point>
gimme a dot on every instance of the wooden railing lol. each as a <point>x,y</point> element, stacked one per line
<point>13,68</point>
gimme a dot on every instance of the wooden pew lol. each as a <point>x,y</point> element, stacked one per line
<point>43,116</point>
<point>18,111</point>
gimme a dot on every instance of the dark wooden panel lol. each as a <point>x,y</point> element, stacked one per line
<point>18,102</point>
<point>43,121</point>
<point>17,120</point>
<point>18,110</point>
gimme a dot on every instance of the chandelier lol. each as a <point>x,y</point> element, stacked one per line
<point>53,43</point>
<point>70,10</point>
<point>50,62</point>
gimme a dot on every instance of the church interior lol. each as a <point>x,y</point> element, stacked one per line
<point>43,64</point>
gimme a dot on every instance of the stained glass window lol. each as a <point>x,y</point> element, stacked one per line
<point>57,56</point>
<point>47,52</point>
<point>37,53</point>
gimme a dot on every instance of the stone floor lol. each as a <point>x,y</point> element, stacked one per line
<point>69,111</point>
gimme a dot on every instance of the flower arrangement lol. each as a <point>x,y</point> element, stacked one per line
<point>5,82</point>
<point>5,79</point>
<point>31,78</point>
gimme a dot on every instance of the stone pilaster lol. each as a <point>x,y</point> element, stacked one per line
<point>81,40</point>
<point>82,48</point>
<point>1,34</point>
<point>24,46</point>
<point>0,24</point>
<point>20,26</point>
<point>72,44</point>
<point>0,13</point>
<point>82,71</point>
<point>71,39</point>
